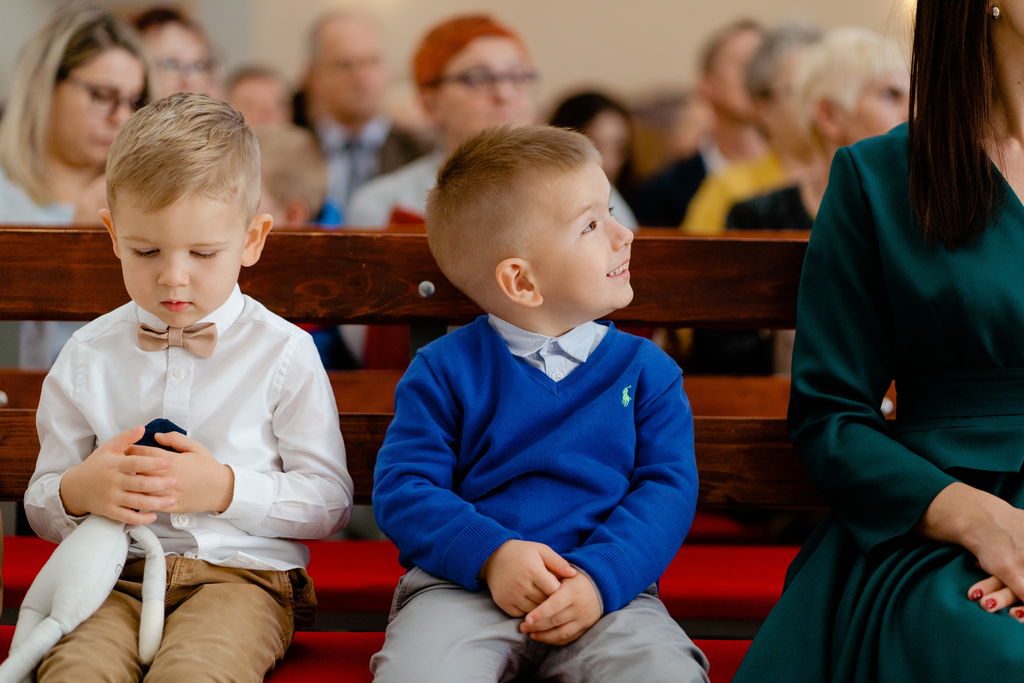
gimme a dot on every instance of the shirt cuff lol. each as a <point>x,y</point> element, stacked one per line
<point>61,522</point>
<point>251,498</point>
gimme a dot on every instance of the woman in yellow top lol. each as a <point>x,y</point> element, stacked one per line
<point>770,82</point>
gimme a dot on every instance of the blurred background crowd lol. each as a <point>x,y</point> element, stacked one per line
<point>708,116</point>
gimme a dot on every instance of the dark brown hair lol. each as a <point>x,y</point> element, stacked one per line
<point>954,188</point>
<point>578,111</point>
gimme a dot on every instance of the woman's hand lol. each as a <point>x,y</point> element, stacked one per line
<point>992,595</point>
<point>993,531</point>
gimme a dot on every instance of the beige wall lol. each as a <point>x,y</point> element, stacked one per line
<point>628,46</point>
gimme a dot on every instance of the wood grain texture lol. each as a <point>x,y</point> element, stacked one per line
<point>333,277</point>
<point>373,391</point>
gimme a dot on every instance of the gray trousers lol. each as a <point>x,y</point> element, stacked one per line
<point>439,632</point>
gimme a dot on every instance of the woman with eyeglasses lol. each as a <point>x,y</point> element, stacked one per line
<point>76,83</point>
<point>182,57</point>
<point>471,73</point>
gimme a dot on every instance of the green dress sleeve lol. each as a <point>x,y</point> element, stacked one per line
<point>842,367</point>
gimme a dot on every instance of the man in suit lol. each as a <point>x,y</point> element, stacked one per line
<point>346,84</point>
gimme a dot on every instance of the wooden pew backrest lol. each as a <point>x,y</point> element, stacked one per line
<point>345,277</point>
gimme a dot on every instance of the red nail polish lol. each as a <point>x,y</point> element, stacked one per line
<point>990,603</point>
<point>1019,614</point>
<point>976,595</point>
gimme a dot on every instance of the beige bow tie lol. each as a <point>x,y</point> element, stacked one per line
<point>199,339</point>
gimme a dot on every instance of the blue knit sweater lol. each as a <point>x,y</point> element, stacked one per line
<point>485,448</point>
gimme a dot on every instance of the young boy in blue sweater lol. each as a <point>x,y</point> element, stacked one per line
<point>539,473</point>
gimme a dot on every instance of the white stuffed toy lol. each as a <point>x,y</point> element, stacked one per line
<point>77,579</point>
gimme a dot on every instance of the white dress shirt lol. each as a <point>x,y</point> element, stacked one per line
<point>262,404</point>
<point>555,356</point>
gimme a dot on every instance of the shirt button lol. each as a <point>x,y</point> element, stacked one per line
<point>181,520</point>
<point>178,373</point>
<point>556,375</point>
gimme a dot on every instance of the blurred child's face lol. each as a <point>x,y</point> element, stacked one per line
<point>579,253</point>
<point>181,262</point>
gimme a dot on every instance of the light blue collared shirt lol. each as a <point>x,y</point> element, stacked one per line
<point>555,356</point>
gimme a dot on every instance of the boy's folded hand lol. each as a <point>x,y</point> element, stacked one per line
<point>201,484</point>
<point>115,484</point>
<point>567,614</point>
<point>522,574</point>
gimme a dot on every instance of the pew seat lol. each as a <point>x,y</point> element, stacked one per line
<point>704,582</point>
<point>343,657</point>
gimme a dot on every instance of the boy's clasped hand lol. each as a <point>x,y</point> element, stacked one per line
<point>558,602</point>
<point>130,483</point>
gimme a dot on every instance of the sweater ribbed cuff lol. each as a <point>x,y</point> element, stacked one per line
<point>469,550</point>
<point>611,571</point>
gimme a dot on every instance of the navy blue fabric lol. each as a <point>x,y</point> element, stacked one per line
<point>158,426</point>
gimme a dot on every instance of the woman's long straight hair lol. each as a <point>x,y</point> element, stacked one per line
<point>954,187</point>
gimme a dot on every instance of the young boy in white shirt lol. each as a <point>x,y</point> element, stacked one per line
<point>263,460</point>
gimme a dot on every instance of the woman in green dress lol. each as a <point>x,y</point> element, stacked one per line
<point>915,272</point>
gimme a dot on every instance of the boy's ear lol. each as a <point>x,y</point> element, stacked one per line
<point>108,223</point>
<point>255,238</point>
<point>514,281</point>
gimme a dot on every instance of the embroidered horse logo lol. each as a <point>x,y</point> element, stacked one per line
<point>626,397</point>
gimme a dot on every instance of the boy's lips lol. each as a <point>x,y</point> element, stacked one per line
<point>176,306</point>
<point>621,270</point>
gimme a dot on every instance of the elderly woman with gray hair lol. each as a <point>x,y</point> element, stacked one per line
<point>854,84</point>
<point>769,80</point>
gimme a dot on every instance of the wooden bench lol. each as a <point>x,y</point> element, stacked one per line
<point>318,277</point>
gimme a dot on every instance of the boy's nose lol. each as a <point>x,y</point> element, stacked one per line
<point>622,236</point>
<point>173,273</point>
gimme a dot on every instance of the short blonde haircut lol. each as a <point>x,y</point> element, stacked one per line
<point>185,144</point>
<point>839,67</point>
<point>479,211</point>
<point>75,34</point>
<point>293,165</point>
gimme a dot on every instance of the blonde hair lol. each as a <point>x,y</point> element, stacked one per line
<point>293,165</point>
<point>839,67</point>
<point>476,212</point>
<point>185,144</point>
<point>74,35</point>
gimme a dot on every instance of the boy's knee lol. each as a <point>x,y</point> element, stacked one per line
<point>445,668</point>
